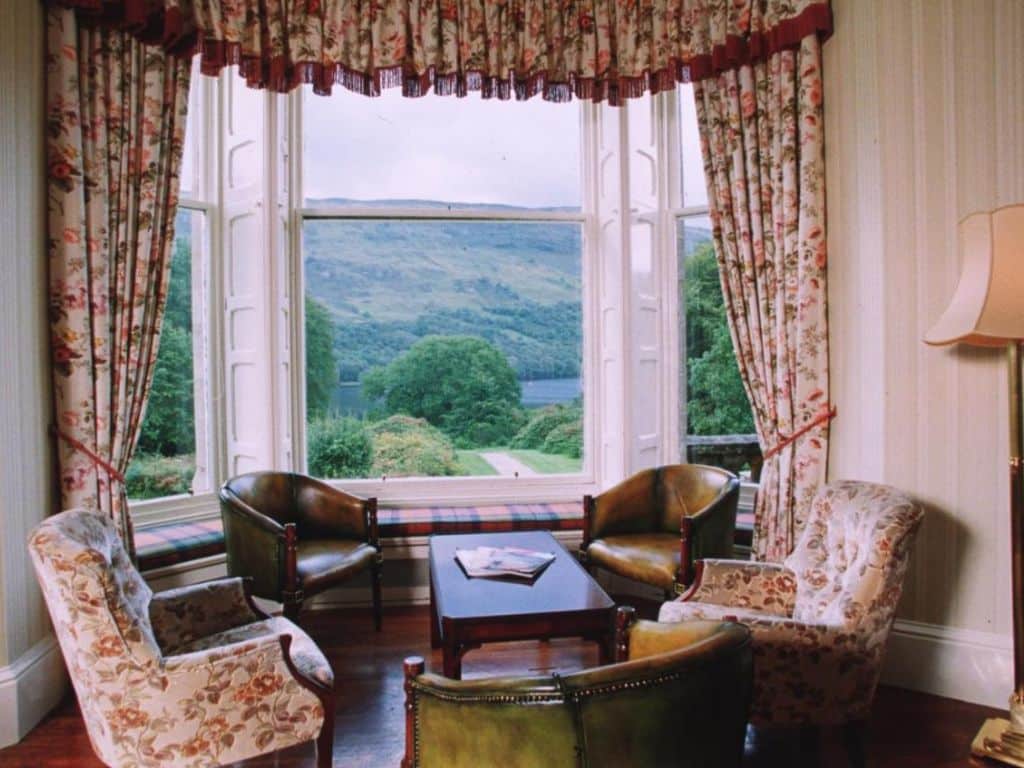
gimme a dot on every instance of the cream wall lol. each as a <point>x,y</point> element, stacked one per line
<point>924,125</point>
<point>31,672</point>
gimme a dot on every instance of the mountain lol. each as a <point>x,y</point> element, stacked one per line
<point>388,283</point>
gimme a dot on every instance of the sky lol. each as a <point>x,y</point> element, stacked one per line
<point>471,150</point>
<point>441,148</point>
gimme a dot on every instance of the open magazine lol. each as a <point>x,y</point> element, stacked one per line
<point>503,562</point>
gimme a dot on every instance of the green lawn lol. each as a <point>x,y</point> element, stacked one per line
<point>548,463</point>
<point>474,464</point>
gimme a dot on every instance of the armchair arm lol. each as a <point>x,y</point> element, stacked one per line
<point>181,615</point>
<point>710,532</point>
<point>255,545</point>
<point>765,587</point>
<point>650,638</point>
<point>235,701</point>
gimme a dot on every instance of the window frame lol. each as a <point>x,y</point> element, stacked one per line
<point>203,199</point>
<point>447,490</point>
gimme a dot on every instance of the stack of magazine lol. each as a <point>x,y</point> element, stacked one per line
<point>503,562</point>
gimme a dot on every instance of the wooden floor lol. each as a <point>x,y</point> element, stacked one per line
<point>909,730</point>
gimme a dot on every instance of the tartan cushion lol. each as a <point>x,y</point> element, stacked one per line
<point>164,545</point>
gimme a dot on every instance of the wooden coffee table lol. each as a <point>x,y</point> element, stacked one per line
<point>564,601</point>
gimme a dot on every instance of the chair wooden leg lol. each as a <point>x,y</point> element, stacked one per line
<point>325,741</point>
<point>854,733</point>
<point>292,609</point>
<point>375,578</point>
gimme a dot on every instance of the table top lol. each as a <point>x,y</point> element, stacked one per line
<point>562,587</point>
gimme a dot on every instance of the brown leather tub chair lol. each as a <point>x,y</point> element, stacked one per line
<point>296,537</point>
<point>652,526</point>
<point>680,700</point>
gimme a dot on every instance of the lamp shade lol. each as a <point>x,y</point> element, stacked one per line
<point>988,306</point>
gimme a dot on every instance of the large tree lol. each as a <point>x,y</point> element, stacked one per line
<point>717,404</point>
<point>321,362</point>
<point>460,384</point>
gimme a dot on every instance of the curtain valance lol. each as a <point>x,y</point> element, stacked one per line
<point>593,49</point>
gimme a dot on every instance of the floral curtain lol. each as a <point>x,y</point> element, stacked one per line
<point>115,128</point>
<point>593,49</point>
<point>762,142</point>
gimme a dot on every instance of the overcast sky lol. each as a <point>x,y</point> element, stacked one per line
<point>441,148</point>
<point>445,148</point>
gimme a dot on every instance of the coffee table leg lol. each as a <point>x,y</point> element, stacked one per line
<point>452,652</point>
<point>435,629</point>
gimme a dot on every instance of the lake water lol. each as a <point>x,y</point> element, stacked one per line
<point>539,392</point>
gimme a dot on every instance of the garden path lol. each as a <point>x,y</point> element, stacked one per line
<point>507,465</point>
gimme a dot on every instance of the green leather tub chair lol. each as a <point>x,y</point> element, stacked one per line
<point>681,699</point>
<point>653,526</point>
<point>295,537</point>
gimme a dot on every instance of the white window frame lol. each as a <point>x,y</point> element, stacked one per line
<point>425,491</point>
<point>207,284</point>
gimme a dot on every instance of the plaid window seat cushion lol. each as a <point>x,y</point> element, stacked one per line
<point>164,545</point>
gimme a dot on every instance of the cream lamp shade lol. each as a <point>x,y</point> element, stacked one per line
<point>988,307</point>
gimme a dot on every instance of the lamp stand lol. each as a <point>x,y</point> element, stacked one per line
<point>1001,739</point>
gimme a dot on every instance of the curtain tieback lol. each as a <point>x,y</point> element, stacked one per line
<point>81,447</point>
<point>822,418</point>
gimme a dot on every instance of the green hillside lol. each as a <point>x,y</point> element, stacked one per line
<point>389,283</point>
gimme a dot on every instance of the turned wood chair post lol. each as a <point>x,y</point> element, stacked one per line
<point>413,667</point>
<point>378,560</point>
<point>588,513</point>
<point>684,577</point>
<point>625,615</point>
<point>291,593</point>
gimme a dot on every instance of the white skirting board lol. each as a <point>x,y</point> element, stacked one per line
<point>30,688</point>
<point>952,662</point>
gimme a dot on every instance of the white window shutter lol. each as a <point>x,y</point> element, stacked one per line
<point>247,375</point>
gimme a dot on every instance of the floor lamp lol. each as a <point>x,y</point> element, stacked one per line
<point>988,310</point>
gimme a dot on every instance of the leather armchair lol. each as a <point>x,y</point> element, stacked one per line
<point>821,619</point>
<point>652,526</point>
<point>190,677</point>
<point>681,699</point>
<point>296,537</point>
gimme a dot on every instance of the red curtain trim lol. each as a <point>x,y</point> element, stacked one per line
<point>152,25</point>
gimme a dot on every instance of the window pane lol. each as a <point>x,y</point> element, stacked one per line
<point>165,463</point>
<point>190,154</point>
<point>716,403</point>
<point>695,192</point>
<point>469,153</point>
<point>443,348</point>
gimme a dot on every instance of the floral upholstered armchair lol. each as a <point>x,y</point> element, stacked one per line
<point>819,621</point>
<point>188,677</point>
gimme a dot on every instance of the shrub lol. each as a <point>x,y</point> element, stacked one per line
<point>404,446</point>
<point>150,477</point>
<point>566,439</point>
<point>542,421</point>
<point>339,447</point>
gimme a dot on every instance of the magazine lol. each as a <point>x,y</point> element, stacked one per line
<point>503,562</point>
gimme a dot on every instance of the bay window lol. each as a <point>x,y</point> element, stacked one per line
<point>435,301</point>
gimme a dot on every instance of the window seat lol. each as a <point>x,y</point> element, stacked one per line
<point>164,545</point>
<point>172,543</point>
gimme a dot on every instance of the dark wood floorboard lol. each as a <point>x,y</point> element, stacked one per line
<point>907,729</point>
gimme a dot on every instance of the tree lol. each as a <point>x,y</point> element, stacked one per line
<point>717,403</point>
<point>460,384</point>
<point>321,362</point>
<point>168,428</point>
